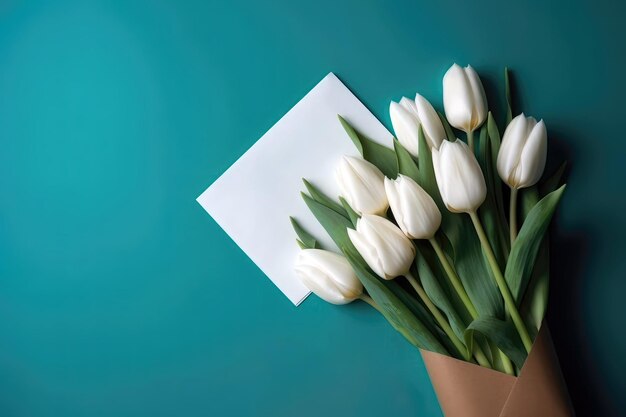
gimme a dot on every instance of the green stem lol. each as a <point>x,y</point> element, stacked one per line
<point>470,140</point>
<point>509,302</point>
<point>460,290</point>
<point>454,278</point>
<point>441,320</point>
<point>368,300</point>
<point>513,215</point>
<point>506,363</point>
<point>481,358</point>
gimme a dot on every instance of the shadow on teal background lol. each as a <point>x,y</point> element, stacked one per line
<point>119,296</point>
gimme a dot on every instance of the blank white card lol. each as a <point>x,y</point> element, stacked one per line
<point>307,142</point>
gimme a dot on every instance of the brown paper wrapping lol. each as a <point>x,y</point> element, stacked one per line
<point>468,390</point>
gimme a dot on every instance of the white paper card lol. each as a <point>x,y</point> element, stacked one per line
<point>253,199</point>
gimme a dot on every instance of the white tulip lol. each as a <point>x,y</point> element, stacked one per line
<point>464,98</point>
<point>459,177</point>
<point>522,155</point>
<point>362,185</point>
<point>406,118</point>
<point>383,246</point>
<point>328,275</point>
<point>413,208</point>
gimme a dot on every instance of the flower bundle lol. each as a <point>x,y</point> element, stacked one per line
<point>445,238</point>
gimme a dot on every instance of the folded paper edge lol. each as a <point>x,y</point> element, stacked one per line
<point>465,389</point>
<point>540,389</point>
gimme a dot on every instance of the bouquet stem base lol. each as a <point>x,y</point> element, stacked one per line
<point>468,390</point>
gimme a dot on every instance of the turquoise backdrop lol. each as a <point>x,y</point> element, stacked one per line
<point>119,295</point>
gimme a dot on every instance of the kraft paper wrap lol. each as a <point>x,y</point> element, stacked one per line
<point>468,390</point>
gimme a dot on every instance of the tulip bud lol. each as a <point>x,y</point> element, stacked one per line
<point>459,177</point>
<point>383,246</point>
<point>522,155</point>
<point>413,208</point>
<point>405,124</point>
<point>362,185</point>
<point>464,98</point>
<point>431,123</point>
<point>406,118</point>
<point>328,275</point>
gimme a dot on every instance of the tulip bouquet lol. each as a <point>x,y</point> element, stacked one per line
<point>447,240</point>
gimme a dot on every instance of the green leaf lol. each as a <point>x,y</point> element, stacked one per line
<point>535,301</point>
<point>426,178</point>
<point>334,223</point>
<point>494,142</point>
<point>503,334</point>
<point>428,253</point>
<point>489,210</point>
<point>528,197</point>
<point>320,197</point>
<point>449,132</point>
<point>306,241</point>
<point>354,216</point>
<point>421,312</point>
<point>496,357</point>
<point>394,310</point>
<point>494,137</point>
<point>524,251</point>
<point>439,297</point>
<point>507,90</point>
<point>483,140</point>
<point>379,155</point>
<point>406,163</point>
<point>471,266</point>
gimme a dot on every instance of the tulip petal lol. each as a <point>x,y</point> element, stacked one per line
<point>414,210</point>
<point>406,127</point>
<point>385,249</point>
<point>479,99</point>
<point>459,177</point>
<point>431,123</point>
<point>457,98</point>
<point>409,105</point>
<point>361,184</point>
<point>391,188</point>
<point>367,250</point>
<point>396,251</point>
<point>511,148</point>
<point>533,157</point>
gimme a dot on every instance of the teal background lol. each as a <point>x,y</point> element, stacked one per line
<point>119,295</point>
